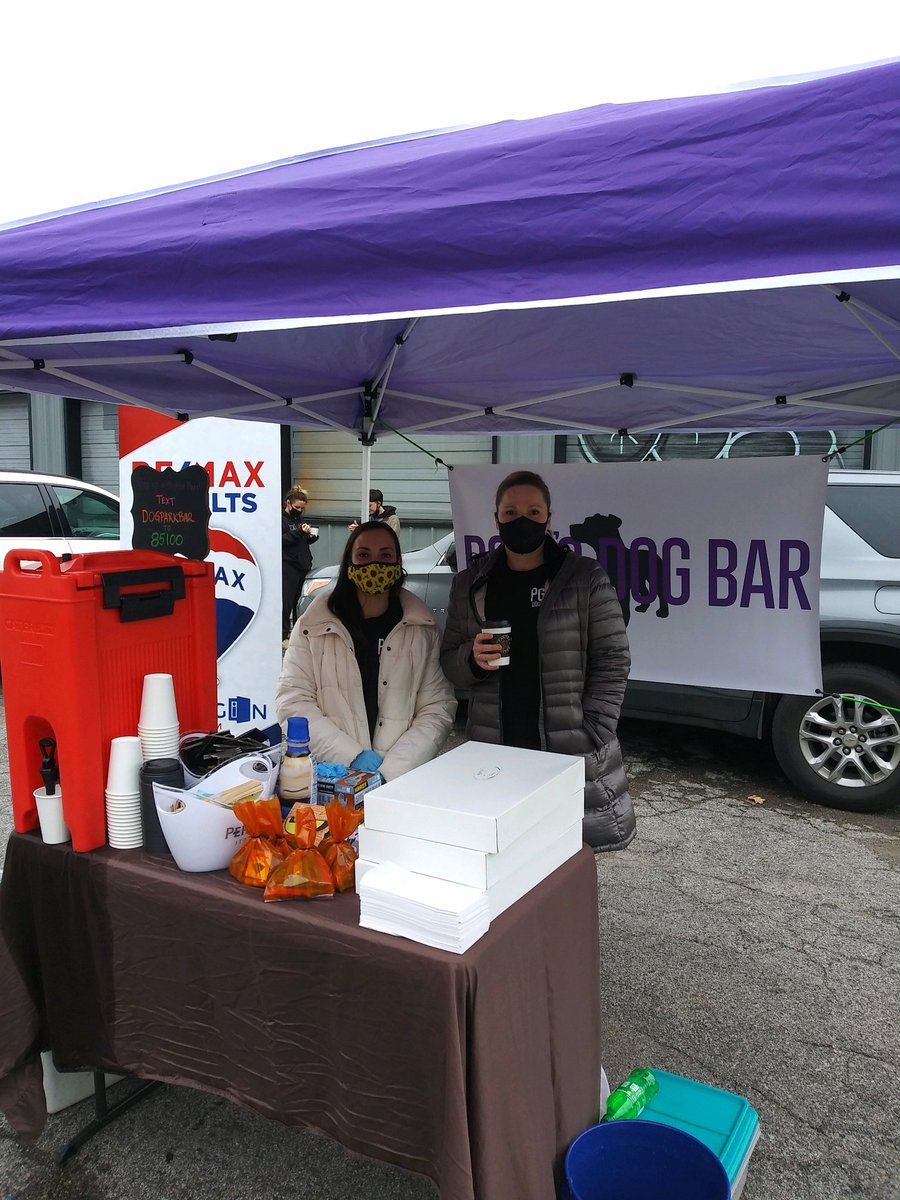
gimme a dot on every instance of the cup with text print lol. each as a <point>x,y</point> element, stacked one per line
<point>501,634</point>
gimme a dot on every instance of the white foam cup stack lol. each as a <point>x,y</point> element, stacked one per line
<point>50,816</point>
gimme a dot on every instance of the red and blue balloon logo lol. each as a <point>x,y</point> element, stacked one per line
<point>238,587</point>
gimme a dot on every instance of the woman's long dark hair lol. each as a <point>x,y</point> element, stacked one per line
<point>343,600</point>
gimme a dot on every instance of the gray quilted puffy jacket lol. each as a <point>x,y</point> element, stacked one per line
<point>584,666</point>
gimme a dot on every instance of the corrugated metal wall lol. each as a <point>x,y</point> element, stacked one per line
<point>329,466</point>
<point>15,444</point>
<point>100,444</point>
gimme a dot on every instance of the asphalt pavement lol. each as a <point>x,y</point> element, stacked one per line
<point>749,940</point>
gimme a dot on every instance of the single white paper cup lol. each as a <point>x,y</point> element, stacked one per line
<point>158,709</point>
<point>125,758</point>
<point>50,815</point>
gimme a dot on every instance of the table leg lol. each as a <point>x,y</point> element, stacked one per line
<point>104,1113</point>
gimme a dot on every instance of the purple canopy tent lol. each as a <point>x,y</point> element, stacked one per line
<point>689,264</point>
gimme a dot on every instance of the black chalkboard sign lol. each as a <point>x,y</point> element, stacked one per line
<point>171,511</point>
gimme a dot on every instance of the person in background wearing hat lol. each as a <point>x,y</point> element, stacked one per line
<point>296,557</point>
<point>379,511</point>
<point>568,655</point>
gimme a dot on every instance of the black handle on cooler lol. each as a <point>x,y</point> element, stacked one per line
<point>141,605</point>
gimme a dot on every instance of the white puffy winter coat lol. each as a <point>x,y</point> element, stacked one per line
<point>320,680</point>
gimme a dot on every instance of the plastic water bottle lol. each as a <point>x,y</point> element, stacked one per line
<point>297,777</point>
<point>630,1098</point>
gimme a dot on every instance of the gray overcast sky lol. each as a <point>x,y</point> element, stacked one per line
<point>107,98</point>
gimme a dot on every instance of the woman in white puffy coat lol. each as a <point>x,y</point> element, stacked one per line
<point>362,665</point>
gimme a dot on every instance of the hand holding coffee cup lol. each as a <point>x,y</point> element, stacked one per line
<point>491,647</point>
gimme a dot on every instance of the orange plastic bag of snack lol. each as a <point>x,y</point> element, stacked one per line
<point>343,822</point>
<point>304,874</point>
<point>265,846</point>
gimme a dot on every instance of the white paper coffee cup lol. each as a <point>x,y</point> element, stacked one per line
<point>500,633</point>
<point>50,816</point>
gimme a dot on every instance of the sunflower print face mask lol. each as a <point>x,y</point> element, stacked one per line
<point>374,577</point>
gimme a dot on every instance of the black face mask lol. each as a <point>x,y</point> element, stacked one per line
<point>522,535</point>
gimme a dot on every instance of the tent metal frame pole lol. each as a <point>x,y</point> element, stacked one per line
<point>373,396</point>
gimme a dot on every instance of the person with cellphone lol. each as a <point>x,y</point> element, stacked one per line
<point>297,536</point>
<point>379,511</point>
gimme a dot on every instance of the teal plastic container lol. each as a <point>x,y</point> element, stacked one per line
<point>723,1121</point>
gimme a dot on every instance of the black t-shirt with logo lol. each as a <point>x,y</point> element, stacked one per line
<point>516,596</point>
<point>368,654</point>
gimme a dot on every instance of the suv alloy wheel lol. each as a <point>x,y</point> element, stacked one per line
<point>843,749</point>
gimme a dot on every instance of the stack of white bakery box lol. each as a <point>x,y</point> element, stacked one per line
<point>450,845</point>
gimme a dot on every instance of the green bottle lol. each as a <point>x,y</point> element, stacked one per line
<point>630,1097</point>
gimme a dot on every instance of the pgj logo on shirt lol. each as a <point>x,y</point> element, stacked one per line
<point>238,587</point>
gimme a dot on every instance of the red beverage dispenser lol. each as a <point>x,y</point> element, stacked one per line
<point>76,640</point>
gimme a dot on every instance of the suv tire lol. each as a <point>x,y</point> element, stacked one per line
<point>813,738</point>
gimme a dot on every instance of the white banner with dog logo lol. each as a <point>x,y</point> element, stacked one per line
<point>716,563</point>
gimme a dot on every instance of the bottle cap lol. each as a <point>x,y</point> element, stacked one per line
<point>297,729</point>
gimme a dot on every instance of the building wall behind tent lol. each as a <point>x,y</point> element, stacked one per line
<point>662,447</point>
<point>15,445</point>
<point>89,450</point>
<point>329,466</point>
<point>100,444</point>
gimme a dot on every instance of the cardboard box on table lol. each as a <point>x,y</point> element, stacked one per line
<point>353,786</point>
<point>478,796</point>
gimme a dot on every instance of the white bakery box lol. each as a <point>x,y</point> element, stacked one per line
<point>478,796</point>
<point>495,818</point>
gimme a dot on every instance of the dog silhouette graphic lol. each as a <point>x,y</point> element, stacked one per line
<point>635,574</point>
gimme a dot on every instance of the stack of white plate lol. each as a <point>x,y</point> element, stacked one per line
<point>123,797</point>
<point>158,722</point>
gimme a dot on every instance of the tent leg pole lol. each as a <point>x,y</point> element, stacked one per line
<point>366,482</point>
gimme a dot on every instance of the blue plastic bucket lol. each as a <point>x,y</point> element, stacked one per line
<point>643,1160</point>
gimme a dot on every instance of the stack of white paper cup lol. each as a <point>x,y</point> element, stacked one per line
<point>123,794</point>
<point>158,722</point>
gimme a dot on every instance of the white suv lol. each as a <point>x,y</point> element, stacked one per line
<point>56,513</point>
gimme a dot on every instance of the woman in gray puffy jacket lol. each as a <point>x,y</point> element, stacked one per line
<point>564,685</point>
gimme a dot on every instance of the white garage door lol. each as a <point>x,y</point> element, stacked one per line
<point>15,424</point>
<point>100,444</point>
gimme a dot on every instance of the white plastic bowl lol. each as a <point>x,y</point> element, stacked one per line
<point>201,836</point>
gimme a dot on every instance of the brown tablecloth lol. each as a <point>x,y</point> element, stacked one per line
<point>475,1070</point>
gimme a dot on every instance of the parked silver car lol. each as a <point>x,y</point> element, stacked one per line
<point>840,749</point>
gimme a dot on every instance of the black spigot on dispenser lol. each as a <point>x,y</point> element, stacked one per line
<point>49,765</point>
